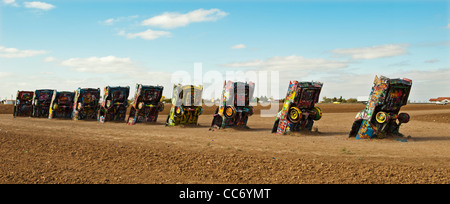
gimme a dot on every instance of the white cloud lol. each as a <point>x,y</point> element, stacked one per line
<point>112,21</point>
<point>39,5</point>
<point>373,52</point>
<point>10,2</point>
<point>5,74</point>
<point>110,70</point>
<point>291,63</point>
<point>16,53</point>
<point>238,46</point>
<point>49,59</point>
<point>147,35</point>
<point>347,85</point>
<point>108,64</point>
<point>448,25</point>
<point>109,21</point>
<point>170,20</point>
<point>426,83</point>
<point>293,68</point>
<point>84,72</point>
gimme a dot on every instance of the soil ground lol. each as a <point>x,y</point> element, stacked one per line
<point>37,150</point>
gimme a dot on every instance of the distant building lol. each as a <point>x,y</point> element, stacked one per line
<point>10,102</point>
<point>440,99</point>
<point>362,99</point>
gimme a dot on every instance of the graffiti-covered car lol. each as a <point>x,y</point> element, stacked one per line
<point>24,104</point>
<point>186,105</point>
<point>115,104</point>
<point>299,111</point>
<point>61,105</point>
<point>86,104</point>
<point>148,102</point>
<point>234,108</point>
<point>379,118</point>
<point>41,103</point>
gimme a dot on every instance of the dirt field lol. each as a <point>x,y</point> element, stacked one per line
<point>62,151</point>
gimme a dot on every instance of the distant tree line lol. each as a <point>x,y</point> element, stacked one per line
<point>340,100</point>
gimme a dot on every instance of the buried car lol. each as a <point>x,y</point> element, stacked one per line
<point>61,105</point>
<point>115,104</point>
<point>299,111</point>
<point>86,104</point>
<point>41,103</point>
<point>147,104</point>
<point>24,104</point>
<point>234,108</point>
<point>380,116</point>
<point>186,105</point>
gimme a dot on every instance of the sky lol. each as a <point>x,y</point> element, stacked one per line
<point>66,44</point>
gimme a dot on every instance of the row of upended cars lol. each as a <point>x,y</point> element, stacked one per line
<point>380,118</point>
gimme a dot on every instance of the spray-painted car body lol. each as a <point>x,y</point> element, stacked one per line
<point>147,104</point>
<point>41,103</point>
<point>186,105</point>
<point>86,104</point>
<point>380,116</point>
<point>61,105</point>
<point>115,104</point>
<point>24,104</point>
<point>299,111</point>
<point>234,108</point>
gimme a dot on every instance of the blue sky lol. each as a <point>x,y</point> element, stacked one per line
<point>69,44</point>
